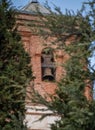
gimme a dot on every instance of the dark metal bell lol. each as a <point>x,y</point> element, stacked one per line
<point>48,74</point>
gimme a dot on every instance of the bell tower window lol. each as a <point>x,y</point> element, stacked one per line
<point>48,65</point>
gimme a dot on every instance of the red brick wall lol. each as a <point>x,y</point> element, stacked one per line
<point>34,46</point>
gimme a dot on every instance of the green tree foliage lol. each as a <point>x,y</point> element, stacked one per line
<point>75,110</point>
<point>15,73</point>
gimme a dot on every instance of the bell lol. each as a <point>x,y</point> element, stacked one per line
<point>48,74</point>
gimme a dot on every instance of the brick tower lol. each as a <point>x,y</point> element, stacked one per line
<point>43,64</point>
<point>45,61</point>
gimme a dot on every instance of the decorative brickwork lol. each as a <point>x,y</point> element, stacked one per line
<point>34,46</point>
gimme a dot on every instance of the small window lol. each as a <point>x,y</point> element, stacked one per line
<point>48,65</point>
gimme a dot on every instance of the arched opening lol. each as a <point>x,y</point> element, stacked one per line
<point>48,65</point>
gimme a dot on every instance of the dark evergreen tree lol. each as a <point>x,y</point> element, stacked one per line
<point>76,111</point>
<point>15,72</point>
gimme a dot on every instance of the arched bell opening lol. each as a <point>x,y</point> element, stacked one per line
<point>48,65</point>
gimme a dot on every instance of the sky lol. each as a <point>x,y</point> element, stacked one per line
<point>63,4</point>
